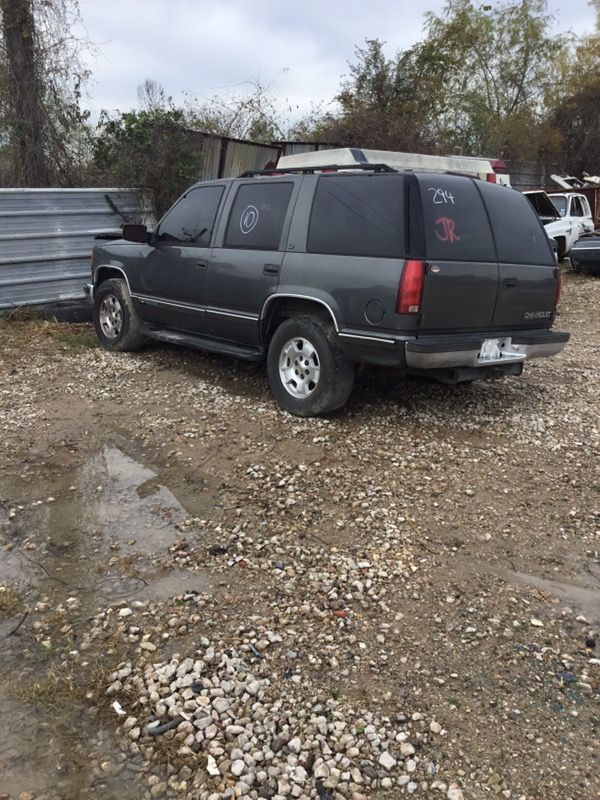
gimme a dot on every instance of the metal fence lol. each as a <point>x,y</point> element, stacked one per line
<point>47,236</point>
<point>226,157</point>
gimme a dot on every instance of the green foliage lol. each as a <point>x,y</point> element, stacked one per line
<point>153,148</point>
<point>498,68</point>
<point>381,102</point>
<point>477,83</point>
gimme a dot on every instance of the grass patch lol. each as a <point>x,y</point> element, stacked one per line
<point>10,602</point>
<point>28,326</point>
<point>60,686</point>
<point>76,337</point>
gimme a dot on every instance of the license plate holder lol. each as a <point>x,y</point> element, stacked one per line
<point>491,350</point>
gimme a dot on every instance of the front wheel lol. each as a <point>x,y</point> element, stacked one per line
<point>307,369</point>
<point>116,321</point>
<point>561,247</point>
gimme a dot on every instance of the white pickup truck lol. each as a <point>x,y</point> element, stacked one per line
<point>565,217</point>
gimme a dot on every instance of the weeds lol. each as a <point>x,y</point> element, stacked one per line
<point>76,339</point>
<point>10,602</point>
<point>28,326</point>
<point>62,686</point>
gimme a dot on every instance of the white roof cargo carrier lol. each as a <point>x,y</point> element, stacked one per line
<point>483,168</point>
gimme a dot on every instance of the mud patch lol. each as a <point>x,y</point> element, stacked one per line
<point>82,535</point>
<point>50,759</point>
<point>583,595</point>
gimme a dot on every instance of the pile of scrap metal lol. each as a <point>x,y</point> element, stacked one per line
<point>571,182</point>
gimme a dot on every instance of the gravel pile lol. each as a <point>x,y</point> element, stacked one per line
<point>399,599</point>
<point>238,735</point>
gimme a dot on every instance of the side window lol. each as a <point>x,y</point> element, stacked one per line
<point>520,236</point>
<point>257,215</point>
<point>587,211</point>
<point>456,224</point>
<point>576,207</point>
<point>192,218</point>
<point>358,215</point>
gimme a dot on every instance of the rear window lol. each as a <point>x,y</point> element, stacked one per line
<point>358,215</point>
<point>456,224</point>
<point>520,237</point>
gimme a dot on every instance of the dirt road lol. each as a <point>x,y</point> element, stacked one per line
<point>401,599</point>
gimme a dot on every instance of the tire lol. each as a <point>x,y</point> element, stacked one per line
<point>117,323</point>
<point>561,247</point>
<point>308,372</point>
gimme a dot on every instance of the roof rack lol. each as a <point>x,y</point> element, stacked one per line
<point>251,173</point>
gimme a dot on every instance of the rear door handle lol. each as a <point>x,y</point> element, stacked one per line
<point>271,269</point>
<point>510,282</point>
<point>202,264</point>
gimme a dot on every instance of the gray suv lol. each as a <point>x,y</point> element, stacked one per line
<point>317,270</point>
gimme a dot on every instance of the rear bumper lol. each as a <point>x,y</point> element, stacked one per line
<point>584,261</point>
<point>442,352</point>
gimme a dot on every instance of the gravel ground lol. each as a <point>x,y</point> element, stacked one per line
<point>218,600</point>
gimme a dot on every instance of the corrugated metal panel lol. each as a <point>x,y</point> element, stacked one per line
<point>211,154</point>
<point>47,236</point>
<point>225,157</point>
<point>242,156</point>
<point>292,148</point>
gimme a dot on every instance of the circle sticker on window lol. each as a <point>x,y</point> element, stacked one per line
<point>249,219</point>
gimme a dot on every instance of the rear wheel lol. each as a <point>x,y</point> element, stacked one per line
<point>116,321</point>
<point>307,369</point>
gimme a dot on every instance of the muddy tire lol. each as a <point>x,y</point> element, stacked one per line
<point>308,372</point>
<point>561,246</point>
<point>117,323</point>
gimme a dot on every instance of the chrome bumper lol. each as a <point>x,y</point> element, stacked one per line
<point>513,353</point>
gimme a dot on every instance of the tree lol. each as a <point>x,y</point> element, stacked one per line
<point>498,70</point>
<point>154,148</point>
<point>477,83</point>
<point>24,93</point>
<point>382,104</point>
<point>575,106</point>
<point>41,80</point>
<point>253,114</point>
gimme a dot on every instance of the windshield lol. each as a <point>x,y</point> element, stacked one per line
<point>560,202</point>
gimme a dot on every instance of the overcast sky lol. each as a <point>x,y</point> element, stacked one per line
<point>300,49</point>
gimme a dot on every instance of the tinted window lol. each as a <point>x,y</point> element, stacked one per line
<point>456,225</point>
<point>192,218</point>
<point>560,203</point>
<point>358,215</point>
<point>520,237</point>
<point>257,215</point>
<point>576,208</point>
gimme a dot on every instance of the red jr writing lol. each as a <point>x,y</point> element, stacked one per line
<point>444,230</point>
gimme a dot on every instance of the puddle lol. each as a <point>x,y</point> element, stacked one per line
<point>99,532</point>
<point>583,596</point>
<point>75,530</point>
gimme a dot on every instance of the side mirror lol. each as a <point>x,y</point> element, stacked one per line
<point>136,233</point>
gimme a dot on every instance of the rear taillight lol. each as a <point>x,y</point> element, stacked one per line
<point>558,289</point>
<point>491,177</point>
<point>410,289</point>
